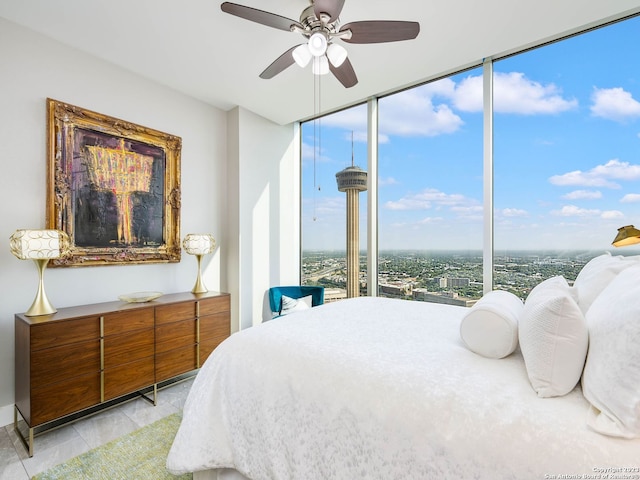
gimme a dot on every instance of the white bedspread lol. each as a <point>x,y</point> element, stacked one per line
<point>374,388</point>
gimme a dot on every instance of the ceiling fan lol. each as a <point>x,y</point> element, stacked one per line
<point>320,25</point>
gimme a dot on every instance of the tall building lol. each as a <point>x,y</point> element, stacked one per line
<point>352,180</point>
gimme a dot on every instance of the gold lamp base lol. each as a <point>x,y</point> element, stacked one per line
<point>199,286</point>
<point>41,304</point>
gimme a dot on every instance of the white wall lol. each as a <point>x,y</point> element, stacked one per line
<point>34,68</point>
<point>264,213</point>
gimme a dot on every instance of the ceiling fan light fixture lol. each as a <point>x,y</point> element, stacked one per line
<point>337,54</point>
<point>317,44</point>
<point>319,25</point>
<point>320,65</point>
<point>302,55</point>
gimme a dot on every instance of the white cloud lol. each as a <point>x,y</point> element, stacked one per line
<point>408,113</point>
<point>469,212</point>
<point>326,206</point>
<point>584,179</point>
<point>468,209</point>
<point>387,181</point>
<point>430,220</point>
<point>308,153</point>
<point>352,119</point>
<point>429,198</point>
<point>513,93</point>
<point>583,195</point>
<point>414,113</point>
<point>612,214</point>
<point>599,176</point>
<point>513,212</point>
<point>358,136</point>
<point>631,198</point>
<point>574,211</point>
<point>614,104</point>
<point>428,110</point>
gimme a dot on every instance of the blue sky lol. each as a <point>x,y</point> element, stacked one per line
<point>566,153</point>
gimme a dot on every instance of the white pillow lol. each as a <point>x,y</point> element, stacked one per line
<point>490,328</point>
<point>557,284</point>
<point>290,305</point>
<point>553,338</point>
<point>611,379</point>
<point>596,275</point>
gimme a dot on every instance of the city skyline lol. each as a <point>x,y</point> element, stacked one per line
<point>566,153</point>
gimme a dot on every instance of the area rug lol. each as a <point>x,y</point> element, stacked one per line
<point>140,455</point>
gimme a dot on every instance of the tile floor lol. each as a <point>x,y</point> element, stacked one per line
<point>56,446</point>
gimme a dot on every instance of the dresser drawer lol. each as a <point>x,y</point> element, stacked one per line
<point>210,306</point>
<point>66,361</point>
<point>175,312</point>
<point>175,362</point>
<point>213,330</point>
<point>175,335</point>
<point>64,332</point>
<point>128,321</point>
<point>125,348</point>
<point>60,399</point>
<point>128,377</point>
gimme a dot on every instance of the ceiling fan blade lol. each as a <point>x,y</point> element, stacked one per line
<point>279,64</point>
<point>330,7</point>
<point>259,16</point>
<point>381,31</point>
<point>344,73</point>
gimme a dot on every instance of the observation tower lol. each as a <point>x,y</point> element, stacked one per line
<point>352,180</point>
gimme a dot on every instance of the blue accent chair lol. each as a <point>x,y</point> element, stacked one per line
<point>294,291</point>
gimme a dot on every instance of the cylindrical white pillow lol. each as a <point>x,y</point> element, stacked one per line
<point>490,328</point>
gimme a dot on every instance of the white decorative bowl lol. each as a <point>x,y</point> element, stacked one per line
<point>140,297</point>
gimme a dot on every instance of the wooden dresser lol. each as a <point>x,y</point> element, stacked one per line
<point>85,356</point>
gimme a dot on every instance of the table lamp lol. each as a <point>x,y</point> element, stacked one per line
<point>627,235</point>
<point>39,246</point>
<point>199,244</point>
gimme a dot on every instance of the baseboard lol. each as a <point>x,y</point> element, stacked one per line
<point>6,415</point>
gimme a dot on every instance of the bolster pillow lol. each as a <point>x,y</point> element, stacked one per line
<point>490,328</point>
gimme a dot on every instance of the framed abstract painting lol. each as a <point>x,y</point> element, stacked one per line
<point>113,187</point>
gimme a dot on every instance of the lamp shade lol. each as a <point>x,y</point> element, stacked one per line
<point>38,244</point>
<point>627,235</point>
<point>337,54</point>
<point>302,55</point>
<point>199,243</point>
<point>320,65</point>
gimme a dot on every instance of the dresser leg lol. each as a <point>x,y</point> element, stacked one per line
<point>153,400</point>
<point>28,443</point>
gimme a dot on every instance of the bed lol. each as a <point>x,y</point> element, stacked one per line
<point>377,388</point>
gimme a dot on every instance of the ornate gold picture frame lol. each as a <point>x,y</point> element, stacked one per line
<point>113,187</point>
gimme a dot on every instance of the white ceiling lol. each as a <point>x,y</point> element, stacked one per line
<point>193,47</point>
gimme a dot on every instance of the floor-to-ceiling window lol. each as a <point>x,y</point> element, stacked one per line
<point>565,172</point>
<point>330,145</point>
<point>430,191</point>
<point>566,154</point>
